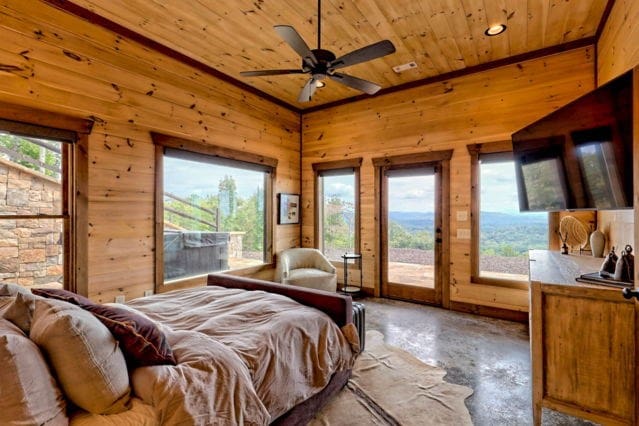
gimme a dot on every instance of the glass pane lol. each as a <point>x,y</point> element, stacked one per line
<point>411,226</point>
<point>32,252</point>
<point>595,171</point>
<point>542,188</point>
<point>506,235</point>
<point>338,215</point>
<point>213,218</point>
<point>30,176</point>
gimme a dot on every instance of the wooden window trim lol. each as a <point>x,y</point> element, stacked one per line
<point>502,150</point>
<point>410,159</point>
<point>163,141</point>
<point>355,164</point>
<point>212,150</point>
<point>74,131</point>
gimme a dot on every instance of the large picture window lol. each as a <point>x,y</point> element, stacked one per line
<point>215,213</point>
<point>501,234</point>
<point>337,208</point>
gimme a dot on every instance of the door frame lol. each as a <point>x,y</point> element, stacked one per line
<point>441,160</point>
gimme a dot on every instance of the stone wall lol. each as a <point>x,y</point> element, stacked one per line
<point>31,250</point>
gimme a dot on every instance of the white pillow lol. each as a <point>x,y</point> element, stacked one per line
<point>87,361</point>
<point>12,289</point>
<point>28,392</point>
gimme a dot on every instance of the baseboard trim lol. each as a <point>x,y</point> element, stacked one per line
<point>489,311</point>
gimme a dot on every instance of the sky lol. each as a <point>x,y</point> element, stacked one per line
<point>184,177</point>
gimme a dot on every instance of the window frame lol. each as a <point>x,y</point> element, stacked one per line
<point>161,142</point>
<point>501,150</point>
<point>74,133</point>
<point>333,166</point>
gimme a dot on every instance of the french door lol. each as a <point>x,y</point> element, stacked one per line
<point>412,232</point>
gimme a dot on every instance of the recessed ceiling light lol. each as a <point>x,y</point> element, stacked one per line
<point>494,30</point>
<point>319,83</point>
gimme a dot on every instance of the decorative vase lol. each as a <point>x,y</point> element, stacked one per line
<point>597,243</point>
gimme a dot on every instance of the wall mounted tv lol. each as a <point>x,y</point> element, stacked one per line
<point>580,156</point>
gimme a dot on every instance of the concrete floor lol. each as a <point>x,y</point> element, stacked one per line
<point>490,356</point>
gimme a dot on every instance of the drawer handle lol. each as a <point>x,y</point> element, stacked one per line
<point>629,293</point>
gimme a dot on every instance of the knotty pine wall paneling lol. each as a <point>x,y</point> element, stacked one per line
<point>617,52</point>
<point>482,107</point>
<point>55,61</point>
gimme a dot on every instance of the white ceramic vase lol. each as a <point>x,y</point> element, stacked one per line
<point>597,243</point>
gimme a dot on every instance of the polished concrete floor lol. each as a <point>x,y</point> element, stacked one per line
<point>490,356</point>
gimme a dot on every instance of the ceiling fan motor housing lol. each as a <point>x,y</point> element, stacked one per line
<point>324,57</point>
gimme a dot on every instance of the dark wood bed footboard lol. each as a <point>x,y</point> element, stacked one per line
<point>337,306</point>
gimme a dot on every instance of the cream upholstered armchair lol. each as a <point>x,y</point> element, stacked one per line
<point>306,267</point>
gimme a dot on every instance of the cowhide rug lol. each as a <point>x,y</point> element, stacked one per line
<point>389,386</point>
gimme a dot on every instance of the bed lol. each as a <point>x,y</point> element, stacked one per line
<point>246,352</point>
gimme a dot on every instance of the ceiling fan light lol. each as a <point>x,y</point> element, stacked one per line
<point>494,30</point>
<point>319,83</point>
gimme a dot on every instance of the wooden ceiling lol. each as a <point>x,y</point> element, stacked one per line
<point>441,36</point>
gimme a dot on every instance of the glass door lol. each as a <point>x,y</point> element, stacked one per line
<point>411,234</point>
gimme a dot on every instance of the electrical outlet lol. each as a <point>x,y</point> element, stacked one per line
<point>463,234</point>
<point>462,215</point>
<point>119,299</point>
<point>148,293</point>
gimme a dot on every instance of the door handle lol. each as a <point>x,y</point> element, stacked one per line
<point>439,240</point>
<point>629,293</point>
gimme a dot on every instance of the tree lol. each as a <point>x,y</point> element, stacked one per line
<point>227,193</point>
<point>21,148</point>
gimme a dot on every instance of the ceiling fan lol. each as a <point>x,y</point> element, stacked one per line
<point>322,63</point>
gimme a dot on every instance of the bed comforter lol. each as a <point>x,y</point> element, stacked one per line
<point>244,357</point>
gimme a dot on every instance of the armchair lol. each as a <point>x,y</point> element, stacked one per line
<point>306,267</point>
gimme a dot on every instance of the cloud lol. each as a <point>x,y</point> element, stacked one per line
<point>339,189</point>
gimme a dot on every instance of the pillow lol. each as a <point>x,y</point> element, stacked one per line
<point>28,394</point>
<point>86,358</point>
<point>20,311</point>
<point>141,340</point>
<point>12,289</point>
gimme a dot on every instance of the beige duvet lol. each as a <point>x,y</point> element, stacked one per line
<point>244,357</point>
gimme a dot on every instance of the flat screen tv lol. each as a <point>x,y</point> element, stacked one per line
<point>580,156</point>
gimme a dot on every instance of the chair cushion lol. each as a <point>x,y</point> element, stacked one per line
<point>312,278</point>
<point>29,395</point>
<point>85,356</point>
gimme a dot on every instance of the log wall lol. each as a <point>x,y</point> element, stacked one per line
<point>480,107</point>
<point>57,62</point>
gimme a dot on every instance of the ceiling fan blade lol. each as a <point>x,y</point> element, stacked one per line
<point>292,37</point>
<point>269,72</point>
<point>307,91</point>
<point>372,51</point>
<point>356,83</point>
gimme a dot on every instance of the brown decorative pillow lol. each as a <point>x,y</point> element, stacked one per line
<point>85,356</point>
<point>142,342</point>
<point>28,392</point>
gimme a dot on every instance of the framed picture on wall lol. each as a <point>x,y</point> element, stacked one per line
<point>289,208</point>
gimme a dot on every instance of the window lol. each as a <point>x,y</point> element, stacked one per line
<point>215,210</point>
<point>337,207</point>
<point>501,235</point>
<point>35,205</point>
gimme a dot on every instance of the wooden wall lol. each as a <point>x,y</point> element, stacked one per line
<point>481,107</point>
<point>54,61</point>
<point>617,52</point>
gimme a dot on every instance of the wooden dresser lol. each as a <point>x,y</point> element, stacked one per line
<point>582,342</point>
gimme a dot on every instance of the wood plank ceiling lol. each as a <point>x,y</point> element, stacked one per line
<point>441,36</point>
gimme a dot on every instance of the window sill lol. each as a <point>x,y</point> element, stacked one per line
<point>200,280</point>
<point>501,282</point>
